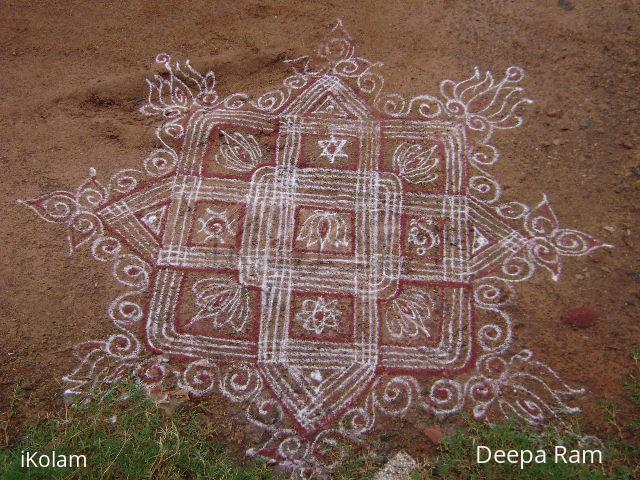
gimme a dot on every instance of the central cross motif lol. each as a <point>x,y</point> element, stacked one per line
<point>311,231</point>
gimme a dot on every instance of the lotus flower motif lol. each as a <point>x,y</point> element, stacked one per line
<point>222,302</point>
<point>415,164</point>
<point>322,229</point>
<point>239,152</point>
<point>409,314</point>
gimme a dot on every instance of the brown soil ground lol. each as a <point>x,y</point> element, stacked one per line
<point>73,76</point>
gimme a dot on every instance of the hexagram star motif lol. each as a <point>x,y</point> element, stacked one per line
<point>333,148</point>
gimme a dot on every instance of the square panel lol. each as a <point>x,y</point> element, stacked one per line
<point>435,240</point>
<point>204,224</point>
<point>421,163</point>
<point>216,306</point>
<point>216,224</point>
<point>428,326</point>
<point>324,231</point>
<point>321,317</point>
<point>428,156</point>
<point>423,239</point>
<point>329,150</point>
<point>174,329</point>
<point>288,218</point>
<point>234,151</point>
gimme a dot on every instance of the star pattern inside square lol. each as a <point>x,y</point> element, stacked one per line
<point>333,148</point>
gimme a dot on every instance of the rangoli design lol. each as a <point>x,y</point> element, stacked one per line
<point>324,254</point>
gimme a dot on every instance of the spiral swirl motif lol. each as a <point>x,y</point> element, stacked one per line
<point>484,188</point>
<point>92,194</point>
<point>572,242</point>
<point>199,378</point>
<point>125,180</point>
<point>151,373</point>
<point>235,101</point>
<point>160,162</point>
<point>357,421</point>
<point>124,312</point>
<point>271,101</point>
<point>293,447</point>
<point>445,397</point>
<point>495,336</point>
<point>240,383</point>
<point>132,271</point>
<point>105,249</point>
<point>122,346</point>
<point>483,154</point>
<point>512,210</point>
<point>394,396</point>
<point>265,412</point>
<point>295,82</point>
<point>83,226</point>
<point>517,269</point>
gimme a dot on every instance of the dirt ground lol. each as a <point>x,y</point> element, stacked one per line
<point>73,77</point>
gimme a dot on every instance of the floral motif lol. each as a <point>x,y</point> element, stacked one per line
<point>333,148</point>
<point>316,315</point>
<point>548,242</point>
<point>240,152</point>
<point>415,163</point>
<point>75,210</point>
<point>222,302</point>
<point>322,229</point>
<point>216,225</point>
<point>423,232</point>
<point>483,103</point>
<point>521,386</point>
<point>184,88</point>
<point>409,314</point>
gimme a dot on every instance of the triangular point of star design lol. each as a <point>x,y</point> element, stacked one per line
<point>154,218</point>
<point>312,402</point>
<point>479,241</point>
<point>329,91</point>
<point>330,106</point>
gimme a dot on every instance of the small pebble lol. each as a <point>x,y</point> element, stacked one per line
<point>579,276</point>
<point>585,122</point>
<point>398,468</point>
<point>634,276</point>
<point>566,4</point>
<point>434,434</point>
<point>610,229</point>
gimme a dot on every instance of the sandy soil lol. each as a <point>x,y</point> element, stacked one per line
<point>73,76</point>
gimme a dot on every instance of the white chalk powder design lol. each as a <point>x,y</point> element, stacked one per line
<point>353,258</point>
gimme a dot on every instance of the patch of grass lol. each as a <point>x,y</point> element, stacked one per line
<point>357,466</point>
<point>127,439</point>
<point>457,458</point>
<point>16,394</point>
<point>632,384</point>
<point>134,439</point>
